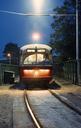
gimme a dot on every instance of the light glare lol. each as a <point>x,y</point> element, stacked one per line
<point>36,36</point>
<point>38,5</point>
<point>9,55</point>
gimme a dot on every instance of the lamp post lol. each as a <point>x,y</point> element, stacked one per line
<point>9,57</point>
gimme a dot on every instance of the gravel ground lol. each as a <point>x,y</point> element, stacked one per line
<point>12,109</point>
<point>7,95</point>
<point>6,107</point>
<point>67,87</point>
<point>51,112</point>
<point>70,91</point>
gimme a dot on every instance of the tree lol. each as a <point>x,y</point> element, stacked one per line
<point>63,39</point>
<point>13,51</point>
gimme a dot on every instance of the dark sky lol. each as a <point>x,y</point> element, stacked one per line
<point>18,29</point>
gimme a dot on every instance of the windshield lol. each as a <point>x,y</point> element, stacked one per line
<point>38,58</point>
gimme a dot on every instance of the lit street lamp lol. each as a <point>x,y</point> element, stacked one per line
<point>9,57</point>
<point>38,5</point>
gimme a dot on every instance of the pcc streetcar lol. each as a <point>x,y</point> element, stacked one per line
<point>36,63</point>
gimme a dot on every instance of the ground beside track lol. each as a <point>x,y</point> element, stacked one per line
<point>6,109</point>
<point>13,113</point>
<point>21,118</point>
<point>70,91</point>
<point>7,92</point>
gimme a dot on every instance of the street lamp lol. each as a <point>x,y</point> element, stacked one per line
<point>38,4</point>
<point>9,56</point>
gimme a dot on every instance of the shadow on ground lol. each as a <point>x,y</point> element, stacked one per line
<point>54,86</point>
<point>35,86</point>
<point>19,86</point>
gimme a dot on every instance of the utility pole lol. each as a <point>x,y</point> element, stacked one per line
<point>77,46</point>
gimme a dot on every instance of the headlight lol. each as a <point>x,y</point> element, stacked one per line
<point>36,72</point>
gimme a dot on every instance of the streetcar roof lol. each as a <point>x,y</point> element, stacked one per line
<point>39,46</point>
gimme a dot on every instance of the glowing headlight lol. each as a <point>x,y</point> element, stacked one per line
<point>36,72</point>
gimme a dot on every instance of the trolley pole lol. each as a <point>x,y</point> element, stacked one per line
<point>77,46</point>
<point>36,54</point>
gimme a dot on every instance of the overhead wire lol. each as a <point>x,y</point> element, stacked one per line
<point>35,14</point>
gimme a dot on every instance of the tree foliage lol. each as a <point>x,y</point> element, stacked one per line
<point>13,50</point>
<point>63,39</point>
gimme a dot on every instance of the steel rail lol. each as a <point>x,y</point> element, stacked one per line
<point>34,118</point>
<point>78,96</point>
<point>66,102</point>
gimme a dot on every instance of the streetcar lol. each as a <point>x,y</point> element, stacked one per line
<point>36,63</point>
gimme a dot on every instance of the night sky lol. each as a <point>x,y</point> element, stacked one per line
<point>18,29</point>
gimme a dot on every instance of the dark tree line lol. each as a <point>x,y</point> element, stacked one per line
<point>63,39</point>
<point>12,53</point>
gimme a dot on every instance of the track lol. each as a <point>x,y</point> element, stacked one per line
<point>21,117</point>
<point>76,95</point>
<point>50,112</point>
<point>67,102</point>
<point>28,106</point>
<point>43,109</point>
